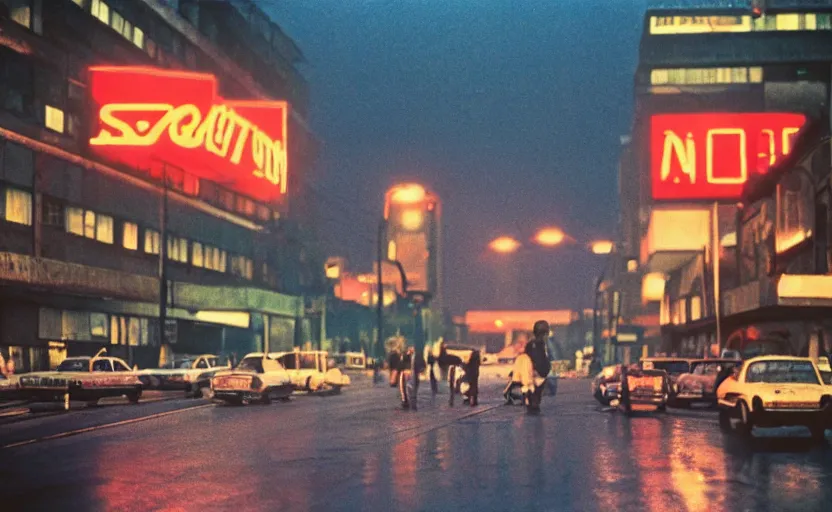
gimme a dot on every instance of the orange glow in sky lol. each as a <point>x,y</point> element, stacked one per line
<point>504,245</point>
<point>549,237</point>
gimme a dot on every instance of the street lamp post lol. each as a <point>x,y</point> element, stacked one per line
<point>380,291</point>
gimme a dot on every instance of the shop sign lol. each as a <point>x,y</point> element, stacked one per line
<point>711,155</point>
<point>146,118</point>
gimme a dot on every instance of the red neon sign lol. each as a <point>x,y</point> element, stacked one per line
<point>710,156</point>
<point>146,117</point>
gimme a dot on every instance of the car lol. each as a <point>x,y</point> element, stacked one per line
<point>189,373</point>
<point>257,378</point>
<point>674,366</point>
<point>775,391</point>
<point>644,389</point>
<point>86,379</point>
<point>606,386</point>
<point>350,361</point>
<point>310,372</point>
<point>699,385</point>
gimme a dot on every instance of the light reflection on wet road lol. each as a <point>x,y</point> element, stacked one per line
<point>357,451</point>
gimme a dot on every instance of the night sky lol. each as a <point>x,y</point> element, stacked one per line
<point>510,110</point>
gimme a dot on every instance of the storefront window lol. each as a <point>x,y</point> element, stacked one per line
<point>98,325</point>
<point>795,211</point>
<point>75,221</point>
<point>134,332</point>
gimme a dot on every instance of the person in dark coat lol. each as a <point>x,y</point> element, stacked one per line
<point>393,361</point>
<point>472,377</point>
<point>450,363</point>
<point>536,350</point>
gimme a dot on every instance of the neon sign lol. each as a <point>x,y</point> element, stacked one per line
<point>146,117</point>
<point>710,156</point>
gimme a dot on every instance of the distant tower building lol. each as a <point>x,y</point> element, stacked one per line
<point>413,237</point>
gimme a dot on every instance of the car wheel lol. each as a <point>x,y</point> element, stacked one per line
<point>134,396</point>
<point>818,433</point>
<point>725,419</point>
<point>745,425</point>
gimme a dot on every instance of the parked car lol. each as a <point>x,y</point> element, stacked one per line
<point>699,385</point>
<point>86,379</point>
<point>674,366</point>
<point>189,373</point>
<point>257,378</point>
<point>309,370</point>
<point>606,386</point>
<point>776,391</point>
<point>644,389</point>
<point>350,361</point>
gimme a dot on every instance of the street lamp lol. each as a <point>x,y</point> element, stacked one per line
<point>549,237</point>
<point>601,247</point>
<point>504,245</point>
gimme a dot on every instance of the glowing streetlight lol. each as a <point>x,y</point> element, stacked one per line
<point>549,237</point>
<point>499,323</point>
<point>504,245</point>
<point>601,247</point>
<point>407,193</point>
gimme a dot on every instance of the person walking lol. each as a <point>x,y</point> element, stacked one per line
<point>536,350</point>
<point>472,377</point>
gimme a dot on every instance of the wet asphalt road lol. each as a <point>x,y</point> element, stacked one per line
<point>358,451</point>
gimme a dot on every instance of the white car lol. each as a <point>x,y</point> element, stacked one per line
<point>190,373</point>
<point>309,370</point>
<point>776,391</point>
<point>257,378</point>
<point>85,379</point>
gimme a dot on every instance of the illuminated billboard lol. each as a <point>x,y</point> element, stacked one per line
<point>412,217</point>
<point>710,156</point>
<point>146,117</point>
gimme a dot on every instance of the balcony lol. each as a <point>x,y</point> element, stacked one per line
<point>72,278</point>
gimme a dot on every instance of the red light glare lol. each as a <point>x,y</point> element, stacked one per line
<point>145,117</point>
<point>710,156</point>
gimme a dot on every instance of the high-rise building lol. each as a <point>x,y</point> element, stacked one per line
<point>721,90</point>
<point>108,184</point>
<point>413,237</point>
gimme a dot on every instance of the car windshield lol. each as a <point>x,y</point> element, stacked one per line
<point>796,372</point>
<point>254,364</point>
<point>74,365</point>
<point>672,367</point>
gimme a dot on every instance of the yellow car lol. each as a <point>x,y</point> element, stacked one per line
<point>776,391</point>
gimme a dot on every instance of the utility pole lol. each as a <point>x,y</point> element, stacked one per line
<point>379,352</point>
<point>163,247</point>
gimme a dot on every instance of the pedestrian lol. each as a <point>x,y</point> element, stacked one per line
<point>434,384</point>
<point>410,368</point>
<point>452,365</point>
<point>472,377</point>
<point>393,361</point>
<point>536,350</point>
<point>594,365</point>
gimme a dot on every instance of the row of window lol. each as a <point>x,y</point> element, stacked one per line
<point>101,10</point>
<point>16,207</point>
<point>69,325</point>
<point>707,76</point>
<point>787,22</point>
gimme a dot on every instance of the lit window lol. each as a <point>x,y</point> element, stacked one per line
<point>810,21</point>
<point>89,224</point>
<point>20,11</point>
<point>127,31</point>
<point>183,250</point>
<point>18,206</point>
<point>151,241</point>
<point>130,236</point>
<point>196,258</point>
<point>117,22</point>
<point>755,75</point>
<point>824,21</point>
<point>788,22</point>
<point>101,10</point>
<point>104,229</point>
<point>222,263</point>
<point>173,249</point>
<point>138,37</point>
<point>54,119</point>
<point>75,221</point>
